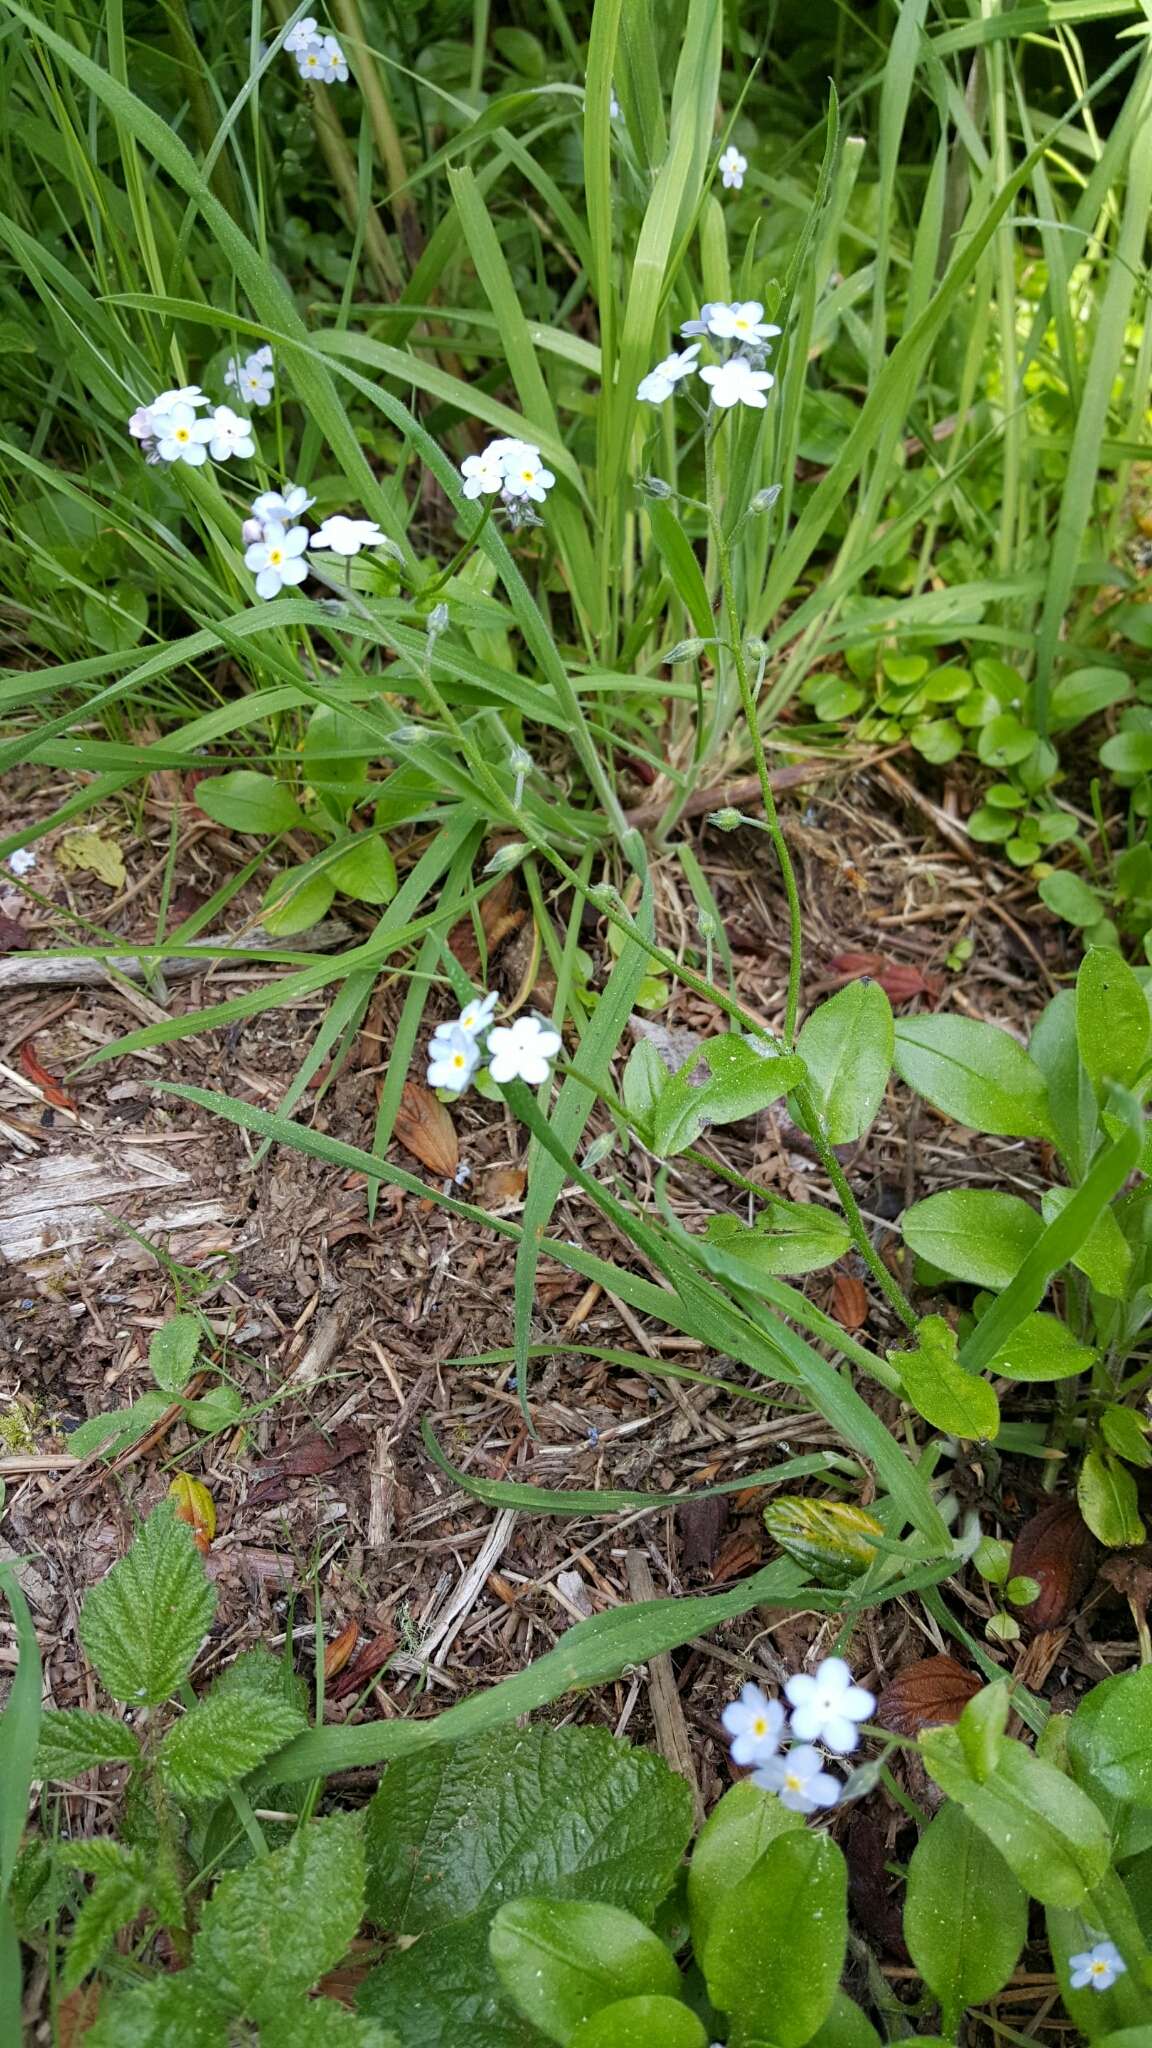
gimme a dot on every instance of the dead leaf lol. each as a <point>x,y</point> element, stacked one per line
<point>49,1089</point>
<point>195,1505</point>
<point>425,1129</point>
<point>497,919</point>
<point>91,854</point>
<point>13,937</point>
<point>899,980</point>
<point>371,1659</point>
<point>503,1184</point>
<point>76,2014</point>
<point>1058,1550</point>
<point>742,1550</point>
<point>929,1694</point>
<point>700,1524</point>
<point>849,1301</point>
<point>311,1456</point>
<point>338,1651</point>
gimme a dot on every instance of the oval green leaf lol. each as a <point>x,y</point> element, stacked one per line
<point>965,1915</point>
<point>560,1962</point>
<point>974,1073</point>
<point>847,1047</point>
<point>245,801</point>
<point>776,1946</point>
<point>639,2023</point>
<point>974,1234</point>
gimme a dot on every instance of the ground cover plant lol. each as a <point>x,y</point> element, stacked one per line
<point>540,546</point>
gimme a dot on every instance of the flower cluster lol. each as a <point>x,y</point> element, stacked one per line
<point>522,1051</point>
<point>826,1708</point>
<point>171,429</point>
<point>1096,1968</point>
<point>515,470</point>
<point>252,379</point>
<point>741,379</point>
<point>318,55</point>
<point>276,541</point>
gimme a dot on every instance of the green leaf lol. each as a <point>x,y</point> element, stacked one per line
<point>1127,1435</point>
<point>245,801</point>
<point>76,1741</point>
<point>1068,896</point>
<point>1071,1102</point>
<point>1112,1019</point>
<point>643,1080</point>
<point>1110,1735</point>
<point>561,1813</point>
<point>367,871</point>
<point>938,740</point>
<point>271,1930</point>
<point>974,1073</point>
<point>221,1738</point>
<point>1042,1348</point>
<point>832,1539</point>
<point>741,1082</point>
<point>846,1046</point>
<point>974,1234</point>
<point>1128,753</point>
<point>217,1409</point>
<point>297,899</point>
<point>172,1353</point>
<point>560,1963</point>
<point>143,1623</point>
<point>1104,1254</point>
<point>1083,693</point>
<point>1108,1501</point>
<point>124,1426</point>
<point>980,1729</point>
<point>641,2023</point>
<point>965,1914</point>
<point>787,1237</point>
<point>776,1946</point>
<point>113,1901</point>
<point>170,2012</point>
<point>1097,2015</point>
<point>737,1833</point>
<point>444,1991</point>
<point>323,2023</point>
<point>958,1402</point>
<point>1049,1832</point>
<point>1004,741</point>
<point>845,2027</point>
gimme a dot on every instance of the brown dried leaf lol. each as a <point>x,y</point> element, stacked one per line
<point>425,1129</point>
<point>13,937</point>
<point>1058,1550</point>
<point>700,1524</point>
<point>849,1302</point>
<point>497,919</point>
<point>899,980</point>
<point>371,1659</point>
<point>312,1455</point>
<point>742,1550</point>
<point>503,1184</point>
<point>76,2014</point>
<point>928,1694</point>
<point>338,1651</point>
<point>49,1088</point>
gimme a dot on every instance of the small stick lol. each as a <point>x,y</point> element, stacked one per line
<point>667,1712</point>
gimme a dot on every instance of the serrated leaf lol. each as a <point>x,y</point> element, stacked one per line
<point>965,1914</point>
<point>221,1738</point>
<point>443,1992</point>
<point>172,1353</point>
<point>322,2023</point>
<point>847,1046</point>
<point>561,1813</point>
<point>939,1387</point>
<point>144,1622</point>
<point>259,1672</point>
<point>76,1741</point>
<point>560,1963</point>
<point>115,1899</point>
<point>271,1930</point>
<point>973,1072</point>
<point>170,2012</point>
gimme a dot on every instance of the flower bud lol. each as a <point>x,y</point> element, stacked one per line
<point>684,650</point>
<point>251,531</point>
<point>764,500</point>
<point>655,487</point>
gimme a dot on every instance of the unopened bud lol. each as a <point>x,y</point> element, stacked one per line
<point>685,650</point>
<point>655,487</point>
<point>437,621</point>
<point>505,857</point>
<point>764,500</point>
<point>727,820</point>
<point>251,531</point>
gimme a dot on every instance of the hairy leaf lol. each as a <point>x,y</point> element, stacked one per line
<point>76,1741</point>
<point>222,1737</point>
<point>144,1622</point>
<point>271,1930</point>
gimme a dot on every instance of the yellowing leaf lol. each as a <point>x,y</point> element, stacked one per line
<point>194,1505</point>
<point>90,854</point>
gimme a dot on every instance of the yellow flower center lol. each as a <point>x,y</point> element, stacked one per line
<point>457,1059</point>
<point>792,1782</point>
<point>1099,1969</point>
<point>183,434</point>
<point>759,1725</point>
<point>527,475</point>
<point>275,557</point>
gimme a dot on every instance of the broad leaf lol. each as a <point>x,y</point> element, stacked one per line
<point>222,1737</point>
<point>172,1353</point>
<point>846,1046</point>
<point>1110,1736</point>
<point>561,1813</point>
<point>295,900</point>
<point>443,1992</point>
<point>323,2023</point>
<point>1112,1019</point>
<point>271,1930</point>
<point>788,1237</point>
<point>76,1741</point>
<point>741,1081</point>
<point>1071,1102</point>
<point>1083,693</point>
<point>965,1914</point>
<point>1108,1500</point>
<point>245,801</point>
<point>974,1234</point>
<point>1048,1831</point>
<point>640,2023</point>
<point>1104,1256</point>
<point>560,1963</point>
<point>845,2027</point>
<point>941,1389</point>
<point>123,1426</point>
<point>775,1949</point>
<point>1042,1348</point>
<point>170,2012</point>
<point>366,871</point>
<point>143,1623</point>
<point>737,1833</point>
<point>974,1073</point>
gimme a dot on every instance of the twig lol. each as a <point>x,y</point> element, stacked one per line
<point>672,1738</point>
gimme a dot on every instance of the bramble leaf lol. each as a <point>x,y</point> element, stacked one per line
<point>143,1623</point>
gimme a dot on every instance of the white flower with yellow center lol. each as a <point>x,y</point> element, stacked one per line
<point>483,475</point>
<point>231,435</point>
<point>278,559</point>
<point>347,536</point>
<point>1096,1968</point>
<point>523,1051</point>
<point>180,436</point>
<point>312,61</point>
<point>743,322</point>
<point>737,383</point>
<point>452,1060</point>
<point>754,1724</point>
<point>335,62</point>
<point>732,167</point>
<point>304,33</point>
<point>827,1706</point>
<point>799,1780</point>
<point>526,477</point>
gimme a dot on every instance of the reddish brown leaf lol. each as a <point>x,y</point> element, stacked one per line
<point>425,1129</point>
<point>503,1184</point>
<point>13,937</point>
<point>76,2014</point>
<point>738,1554</point>
<point>700,1524</point>
<point>309,1457</point>
<point>928,1694</point>
<point>338,1651</point>
<point>371,1659</point>
<point>1057,1549</point>
<point>497,919</point>
<point>899,980</point>
<point>849,1301</point>
<point>50,1089</point>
